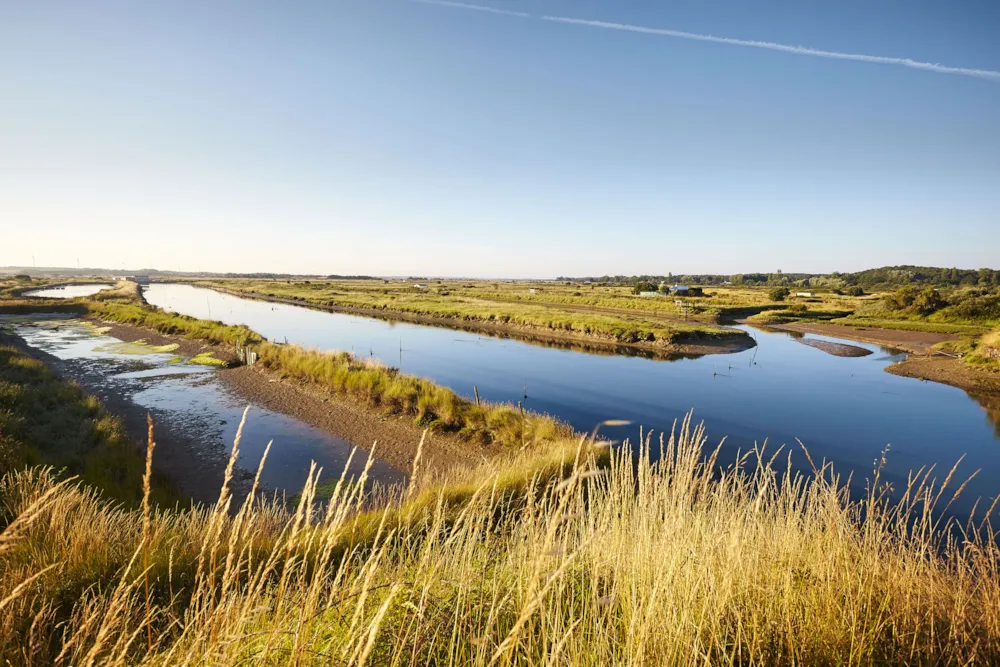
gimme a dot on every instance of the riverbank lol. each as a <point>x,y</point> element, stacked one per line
<point>948,370</point>
<point>181,457</point>
<point>358,422</point>
<point>694,339</point>
<point>393,438</point>
<point>915,342</point>
<point>922,362</point>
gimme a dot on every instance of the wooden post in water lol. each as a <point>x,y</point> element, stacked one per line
<point>475,390</point>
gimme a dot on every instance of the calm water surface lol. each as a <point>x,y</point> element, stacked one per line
<point>190,398</point>
<point>843,409</point>
<point>67,291</point>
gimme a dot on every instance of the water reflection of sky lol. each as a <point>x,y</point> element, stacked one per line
<point>193,400</point>
<point>66,292</point>
<point>843,409</point>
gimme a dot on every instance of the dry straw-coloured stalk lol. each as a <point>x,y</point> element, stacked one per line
<point>569,554</point>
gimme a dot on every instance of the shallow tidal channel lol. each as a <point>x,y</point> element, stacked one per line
<point>844,409</point>
<point>196,417</point>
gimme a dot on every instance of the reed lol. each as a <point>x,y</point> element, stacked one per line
<point>604,559</point>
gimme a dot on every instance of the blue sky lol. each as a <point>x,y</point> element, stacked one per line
<point>400,137</point>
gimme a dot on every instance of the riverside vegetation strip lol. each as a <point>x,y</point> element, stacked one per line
<point>462,305</point>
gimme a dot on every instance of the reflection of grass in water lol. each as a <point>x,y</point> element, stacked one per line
<point>177,359</point>
<point>138,347</point>
<point>991,404</point>
<point>206,359</point>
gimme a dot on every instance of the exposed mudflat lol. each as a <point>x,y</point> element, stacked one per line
<point>948,370</point>
<point>836,349</point>
<point>394,439</point>
<point>182,456</point>
<point>195,413</point>
<point>918,342</point>
<point>186,346</point>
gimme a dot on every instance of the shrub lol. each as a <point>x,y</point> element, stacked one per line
<point>778,293</point>
<point>855,290</point>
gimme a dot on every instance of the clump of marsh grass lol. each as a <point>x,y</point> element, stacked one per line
<point>142,315</point>
<point>378,385</point>
<point>585,557</point>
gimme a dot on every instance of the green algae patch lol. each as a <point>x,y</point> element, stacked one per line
<point>138,347</point>
<point>206,359</point>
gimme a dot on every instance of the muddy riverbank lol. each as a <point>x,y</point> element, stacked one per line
<point>397,437</point>
<point>181,455</point>
<point>948,370</point>
<point>394,438</point>
<point>578,342</point>
<point>195,408</point>
<point>916,342</point>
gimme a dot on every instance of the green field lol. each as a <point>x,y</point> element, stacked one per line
<point>606,313</point>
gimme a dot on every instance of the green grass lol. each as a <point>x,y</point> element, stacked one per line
<point>429,404</point>
<point>627,320</point>
<point>912,325</point>
<point>171,323</point>
<point>46,420</point>
<point>206,359</point>
<point>139,347</point>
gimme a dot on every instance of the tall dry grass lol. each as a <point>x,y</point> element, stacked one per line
<point>630,562</point>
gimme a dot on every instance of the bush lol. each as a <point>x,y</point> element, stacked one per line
<point>855,290</point>
<point>778,293</point>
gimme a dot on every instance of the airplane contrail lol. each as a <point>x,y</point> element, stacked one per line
<point>479,8</point>
<point>786,48</point>
<point>991,75</point>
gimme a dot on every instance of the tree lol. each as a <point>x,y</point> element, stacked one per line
<point>778,293</point>
<point>643,287</point>
<point>928,301</point>
<point>855,290</point>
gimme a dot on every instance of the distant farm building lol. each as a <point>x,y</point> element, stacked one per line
<point>684,290</point>
<point>805,294</point>
<point>420,285</point>
<point>141,280</point>
<point>531,290</point>
<point>649,294</point>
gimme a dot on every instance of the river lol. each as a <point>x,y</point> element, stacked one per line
<point>845,410</point>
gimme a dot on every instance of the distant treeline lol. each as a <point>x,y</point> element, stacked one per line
<point>887,276</point>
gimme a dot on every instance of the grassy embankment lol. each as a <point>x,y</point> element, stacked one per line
<point>655,321</point>
<point>666,563</point>
<point>46,420</point>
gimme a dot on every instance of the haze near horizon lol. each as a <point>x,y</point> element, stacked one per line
<point>507,139</point>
